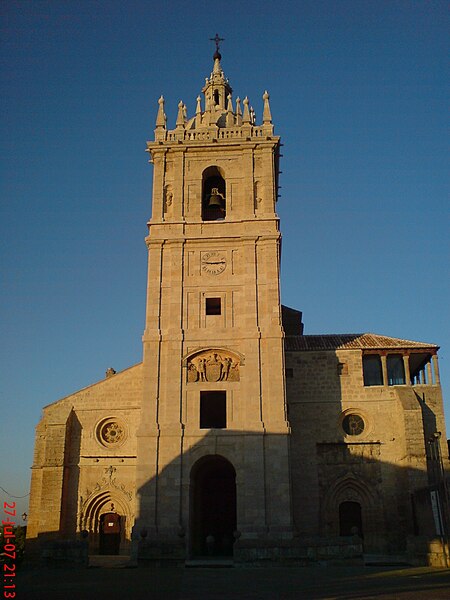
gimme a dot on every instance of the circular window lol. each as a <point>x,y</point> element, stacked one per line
<point>110,432</point>
<point>353,424</point>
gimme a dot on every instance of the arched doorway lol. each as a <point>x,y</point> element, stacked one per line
<point>350,518</point>
<point>110,532</point>
<point>94,519</point>
<point>212,507</point>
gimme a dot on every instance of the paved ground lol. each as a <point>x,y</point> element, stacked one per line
<point>271,583</point>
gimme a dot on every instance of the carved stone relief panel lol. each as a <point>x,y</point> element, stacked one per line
<point>168,200</point>
<point>213,366</point>
<point>257,198</point>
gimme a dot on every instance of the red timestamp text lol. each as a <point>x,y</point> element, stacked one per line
<point>9,551</point>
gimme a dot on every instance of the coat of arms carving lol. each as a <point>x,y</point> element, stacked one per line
<point>213,366</point>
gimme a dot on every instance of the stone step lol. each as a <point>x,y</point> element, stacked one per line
<point>209,563</point>
<point>385,560</point>
<point>109,561</point>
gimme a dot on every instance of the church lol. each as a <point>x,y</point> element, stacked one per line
<point>237,436</point>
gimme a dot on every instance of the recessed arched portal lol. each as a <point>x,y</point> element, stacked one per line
<point>98,512</point>
<point>212,507</point>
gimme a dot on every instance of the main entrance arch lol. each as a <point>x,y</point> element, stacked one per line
<point>212,507</point>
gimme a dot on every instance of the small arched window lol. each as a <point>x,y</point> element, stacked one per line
<point>216,97</point>
<point>213,195</point>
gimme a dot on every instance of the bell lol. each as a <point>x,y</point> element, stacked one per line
<point>215,199</point>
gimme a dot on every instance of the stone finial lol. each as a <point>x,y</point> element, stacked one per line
<point>238,111</point>
<point>229,121</point>
<point>252,115</point>
<point>185,112</point>
<point>246,115</point>
<point>180,116</point>
<point>198,113</point>
<point>229,104</point>
<point>161,116</point>
<point>110,372</point>
<point>267,116</point>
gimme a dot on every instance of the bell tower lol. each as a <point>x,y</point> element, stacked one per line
<point>214,405</point>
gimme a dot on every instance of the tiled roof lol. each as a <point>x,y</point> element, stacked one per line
<point>350,341</point>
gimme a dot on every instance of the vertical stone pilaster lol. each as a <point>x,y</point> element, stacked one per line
<point>158,185</point>
<point>178,195</point>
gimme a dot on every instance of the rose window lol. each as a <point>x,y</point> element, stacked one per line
<point>353,424</point>
<point>110,432</point>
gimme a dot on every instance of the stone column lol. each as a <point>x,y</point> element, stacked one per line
<point>384,368</point>
<point>407,369</point>
<point>437,379</point>
<point>429,374</point>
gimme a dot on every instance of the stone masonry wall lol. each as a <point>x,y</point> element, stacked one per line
<point>379,468</point>
<point>85,457</point>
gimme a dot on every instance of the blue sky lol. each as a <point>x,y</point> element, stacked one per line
<point>358,93</point>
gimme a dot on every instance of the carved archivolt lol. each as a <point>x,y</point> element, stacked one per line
<point>213,365</point>
<point>106,496</point>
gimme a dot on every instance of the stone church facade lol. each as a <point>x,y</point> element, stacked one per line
<point>238,435</point>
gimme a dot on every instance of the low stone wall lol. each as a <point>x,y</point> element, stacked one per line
<point>161,554</point>
<point>65,552</point>
<point>300,551</point>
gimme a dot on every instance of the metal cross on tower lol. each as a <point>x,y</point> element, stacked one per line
<point>217,39</point>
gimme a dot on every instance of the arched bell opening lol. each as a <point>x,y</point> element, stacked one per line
<point>212,507</point>
<point>213,194</point>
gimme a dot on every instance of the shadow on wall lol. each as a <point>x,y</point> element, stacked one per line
<point>214,501</point>
<point>71,475</point>
<point>211,496</point>
<point>349,474</point>
<point>200,496</point>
